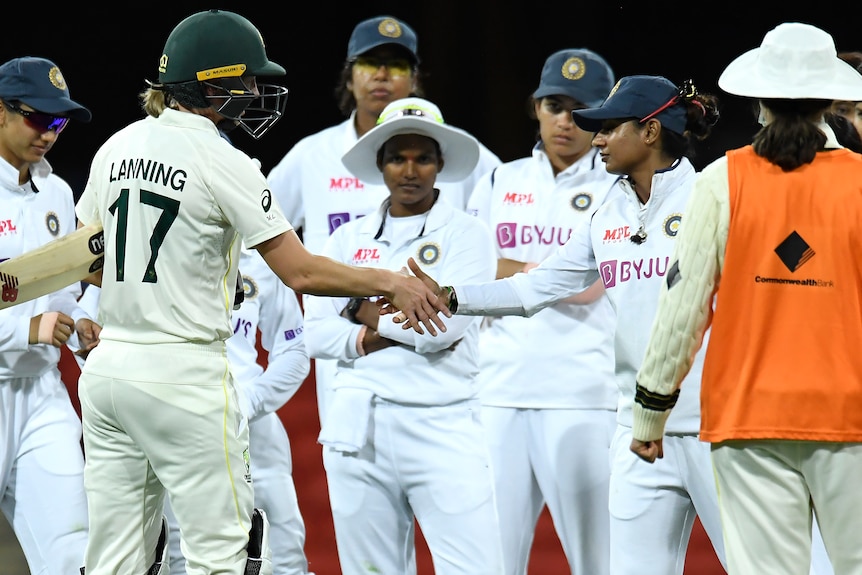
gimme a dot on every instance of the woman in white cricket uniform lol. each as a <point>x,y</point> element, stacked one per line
<point>159,404</point>
<point>547,382</point>
<point>41,463</point>
<point>642,132</point>
<point>315,190</point>
<point>402,437</point>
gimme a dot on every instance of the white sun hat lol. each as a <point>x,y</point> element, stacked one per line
<point>794,61</point>
<point>413,116</point>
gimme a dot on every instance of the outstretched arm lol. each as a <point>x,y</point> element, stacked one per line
<point>312,274</point>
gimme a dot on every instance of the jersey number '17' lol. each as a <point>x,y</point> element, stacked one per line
<point>120,209</point>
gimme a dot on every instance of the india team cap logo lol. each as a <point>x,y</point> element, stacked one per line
<point>380,31</point>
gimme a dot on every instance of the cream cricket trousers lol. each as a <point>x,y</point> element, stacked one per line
<point>164,418</point>
<point>769,492</point>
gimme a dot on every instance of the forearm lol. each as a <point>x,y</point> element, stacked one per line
<point>308,273</point>
<point>507,267</point>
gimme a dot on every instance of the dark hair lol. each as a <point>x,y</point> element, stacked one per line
<point>702,113</point>
<point>845,131</point>
<point>792,138</point>
<point>852,58</point>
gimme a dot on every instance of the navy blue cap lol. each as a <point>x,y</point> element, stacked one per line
<point>580,74</point>
<point>39,83</point>
<point>637,97</point>
<point>379,31</point>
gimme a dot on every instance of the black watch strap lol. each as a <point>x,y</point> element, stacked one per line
<point>352,308</point>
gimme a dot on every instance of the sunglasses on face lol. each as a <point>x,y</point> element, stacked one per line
<point>40,121</point>
<point>370,64</point>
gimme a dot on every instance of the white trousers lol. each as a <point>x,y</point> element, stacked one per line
<point>653,505</point>
<point>163,418</point>
<point>42,472</point>
<point>427,463</point>
<point>769,492</point>
<point>558,458</point>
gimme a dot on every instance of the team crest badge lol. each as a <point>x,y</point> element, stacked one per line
<point>52,222</point>
<point>582,201</point>
<point>429,254</point>
<point>249,288</point>
<point>389,28</point>
<point>574,69</point>
<point>57,78</point>
<point>671,225</point>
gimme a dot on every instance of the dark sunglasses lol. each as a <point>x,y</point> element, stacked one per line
<point>39,120</point>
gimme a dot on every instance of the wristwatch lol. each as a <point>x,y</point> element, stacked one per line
<point>352,308</point>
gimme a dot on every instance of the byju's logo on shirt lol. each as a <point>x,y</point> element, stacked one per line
<point>619,271</point>
<point>337,219</point>
<point>509,235</point>
<point>365,256</point>
<point>290,334</point>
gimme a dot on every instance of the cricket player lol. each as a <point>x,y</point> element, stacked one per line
<point>547,382</point>
<point>41,463</point>
<point>161,413</point>
<point>403,438</point>
<point>316,191</point>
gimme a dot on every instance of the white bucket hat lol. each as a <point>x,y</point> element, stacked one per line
<point>794,61</point>
<point>413,116</point>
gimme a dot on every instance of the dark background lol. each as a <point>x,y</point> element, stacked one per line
<point>481,59</point>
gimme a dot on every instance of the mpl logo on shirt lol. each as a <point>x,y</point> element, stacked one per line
<point>7,227</point>
<point>614,235</point>
<point>345,184</point>
<point>365,256</point>
<point>513,199</point>
<point>619,271</point>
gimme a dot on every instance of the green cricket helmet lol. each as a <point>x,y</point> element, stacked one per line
<point>221,49</point>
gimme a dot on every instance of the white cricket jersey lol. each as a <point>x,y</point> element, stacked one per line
<point>318,194</point>
<point>272,307</point>
<point>450,246</point>
<point>174,198</point>
<point>31,215</point>
<point>632,275</point>
<point>564,351</point>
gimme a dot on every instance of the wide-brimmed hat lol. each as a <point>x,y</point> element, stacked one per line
<point>578,73</point>
<point>39,83</point>
<point>637,97</point>
<point>794,61</point>
<point>413,116</point>
<point>379,31</point>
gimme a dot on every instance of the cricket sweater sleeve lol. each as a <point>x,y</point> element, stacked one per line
<point>685,302</point>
